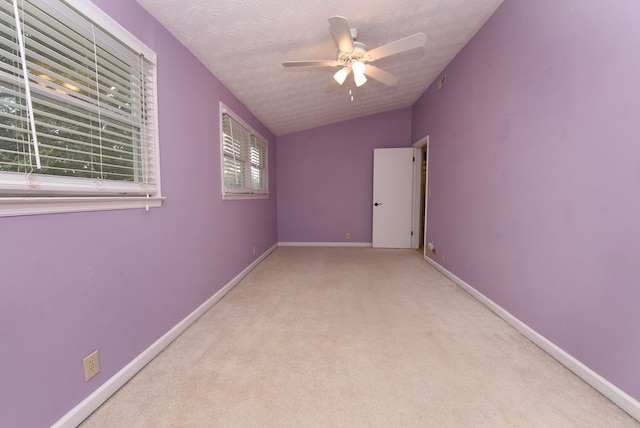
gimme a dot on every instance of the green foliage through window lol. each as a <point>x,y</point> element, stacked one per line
<point>244,160</point>
<point>90,98</point>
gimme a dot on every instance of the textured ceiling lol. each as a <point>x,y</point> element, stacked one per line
<point>245,42</point>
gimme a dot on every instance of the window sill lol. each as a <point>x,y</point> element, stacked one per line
<point>19,206</point>
<point>236,196</point>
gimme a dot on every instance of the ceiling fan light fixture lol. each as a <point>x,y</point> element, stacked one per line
<point>360,79</point>
<point>354,56</point>
<point>358,67</point>
<point>341,75</point>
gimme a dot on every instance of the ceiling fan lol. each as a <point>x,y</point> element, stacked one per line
<point>354,57</point>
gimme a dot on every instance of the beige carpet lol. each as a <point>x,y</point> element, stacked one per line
<point>353,337</point>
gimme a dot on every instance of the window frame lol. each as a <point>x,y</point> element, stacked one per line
<point>246,192</point>
<point>80,194</point>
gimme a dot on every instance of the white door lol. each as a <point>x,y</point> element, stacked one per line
<point>392,197</point>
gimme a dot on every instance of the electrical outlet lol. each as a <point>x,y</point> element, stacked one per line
<point>442,257</point>
<point>91,365</point>
<point>348,235</point>
<point>254,250</point>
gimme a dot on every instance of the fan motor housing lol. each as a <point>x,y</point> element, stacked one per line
<point>358,54</point>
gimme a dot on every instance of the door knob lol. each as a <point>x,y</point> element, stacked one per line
<point>376,204</point>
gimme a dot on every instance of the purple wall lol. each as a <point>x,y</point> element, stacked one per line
<point>325,177</point>
<point>535,176</point>
<point>117,281</point>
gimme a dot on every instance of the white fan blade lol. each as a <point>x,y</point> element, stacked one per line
<point>341,33</point>
<point>418,40</point>
<point>312,63</point>
<point>380,75</point>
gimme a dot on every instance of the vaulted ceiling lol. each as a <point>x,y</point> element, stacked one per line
<point>245,42</point>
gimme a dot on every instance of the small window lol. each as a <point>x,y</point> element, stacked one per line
<point>77,110</point>
<point>244,159</point>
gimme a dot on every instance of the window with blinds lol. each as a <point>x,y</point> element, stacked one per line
<point>244,158</point>
<point>77,103</point>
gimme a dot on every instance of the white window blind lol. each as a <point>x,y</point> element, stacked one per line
<point>244,158</point>
<point>92,102</point>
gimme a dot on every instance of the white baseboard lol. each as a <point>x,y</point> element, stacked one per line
<point>606,388</point>
<point>79,413</point>
<point>324,244</point>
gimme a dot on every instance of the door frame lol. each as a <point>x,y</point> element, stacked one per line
<point>418,147</point>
